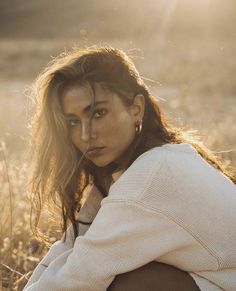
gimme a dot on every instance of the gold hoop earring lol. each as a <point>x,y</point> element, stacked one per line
<point>138,127</point>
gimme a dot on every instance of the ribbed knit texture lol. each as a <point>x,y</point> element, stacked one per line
<point>171,206</point>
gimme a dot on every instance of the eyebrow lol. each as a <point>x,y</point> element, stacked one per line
<point>87,108</point>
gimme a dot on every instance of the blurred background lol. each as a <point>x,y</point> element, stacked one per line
<point>187,47</point>
<point>185,50</point>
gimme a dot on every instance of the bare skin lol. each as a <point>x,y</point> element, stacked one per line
<point>154,277</point>
<point>112,126</point>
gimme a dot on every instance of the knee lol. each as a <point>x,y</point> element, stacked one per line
<point>136,280</point>
<point>124,282</point>
<point>154,276</point>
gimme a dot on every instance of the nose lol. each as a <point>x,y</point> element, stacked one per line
<point>86,133</point>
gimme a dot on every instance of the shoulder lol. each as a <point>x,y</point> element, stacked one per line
<point>166,152</point>
<point>170,155</point>
<point>173,176</point>
<point>148,166</point>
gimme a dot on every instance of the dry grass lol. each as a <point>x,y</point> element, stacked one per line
<point>15,242</point>
<point>198,86</point>
<point>19,250</point>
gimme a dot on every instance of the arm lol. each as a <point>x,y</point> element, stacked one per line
<point>120,239</point>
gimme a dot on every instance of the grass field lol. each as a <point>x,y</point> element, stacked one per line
<point>194,80</point>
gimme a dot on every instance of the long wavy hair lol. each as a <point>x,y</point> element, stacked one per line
<point>60,170</point>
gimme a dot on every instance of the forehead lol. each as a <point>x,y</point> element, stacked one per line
<point>79,97</point>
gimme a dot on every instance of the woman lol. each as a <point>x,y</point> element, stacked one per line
<point>159,210</point>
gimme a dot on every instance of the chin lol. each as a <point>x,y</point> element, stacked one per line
<point>101,164</point>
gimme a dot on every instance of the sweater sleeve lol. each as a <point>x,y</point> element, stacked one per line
<point>124,235</point>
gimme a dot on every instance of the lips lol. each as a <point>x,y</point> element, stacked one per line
<point>94,148</point>
<point>94,151</point>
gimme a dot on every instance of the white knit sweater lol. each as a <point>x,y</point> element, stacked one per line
<point>171,206</point>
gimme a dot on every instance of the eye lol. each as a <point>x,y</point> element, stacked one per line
<point>99,113</point>
<point>73,122</point>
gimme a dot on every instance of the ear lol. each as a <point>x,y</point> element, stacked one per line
<point>137,108</point>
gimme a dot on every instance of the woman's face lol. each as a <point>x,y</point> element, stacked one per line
<point>103,132</point>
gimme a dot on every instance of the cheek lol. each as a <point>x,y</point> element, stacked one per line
<point>75,137</point>
<point>122,127</point>
<point>125,121</point>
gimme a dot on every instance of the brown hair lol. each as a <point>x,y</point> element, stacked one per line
<point>59,169</point>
